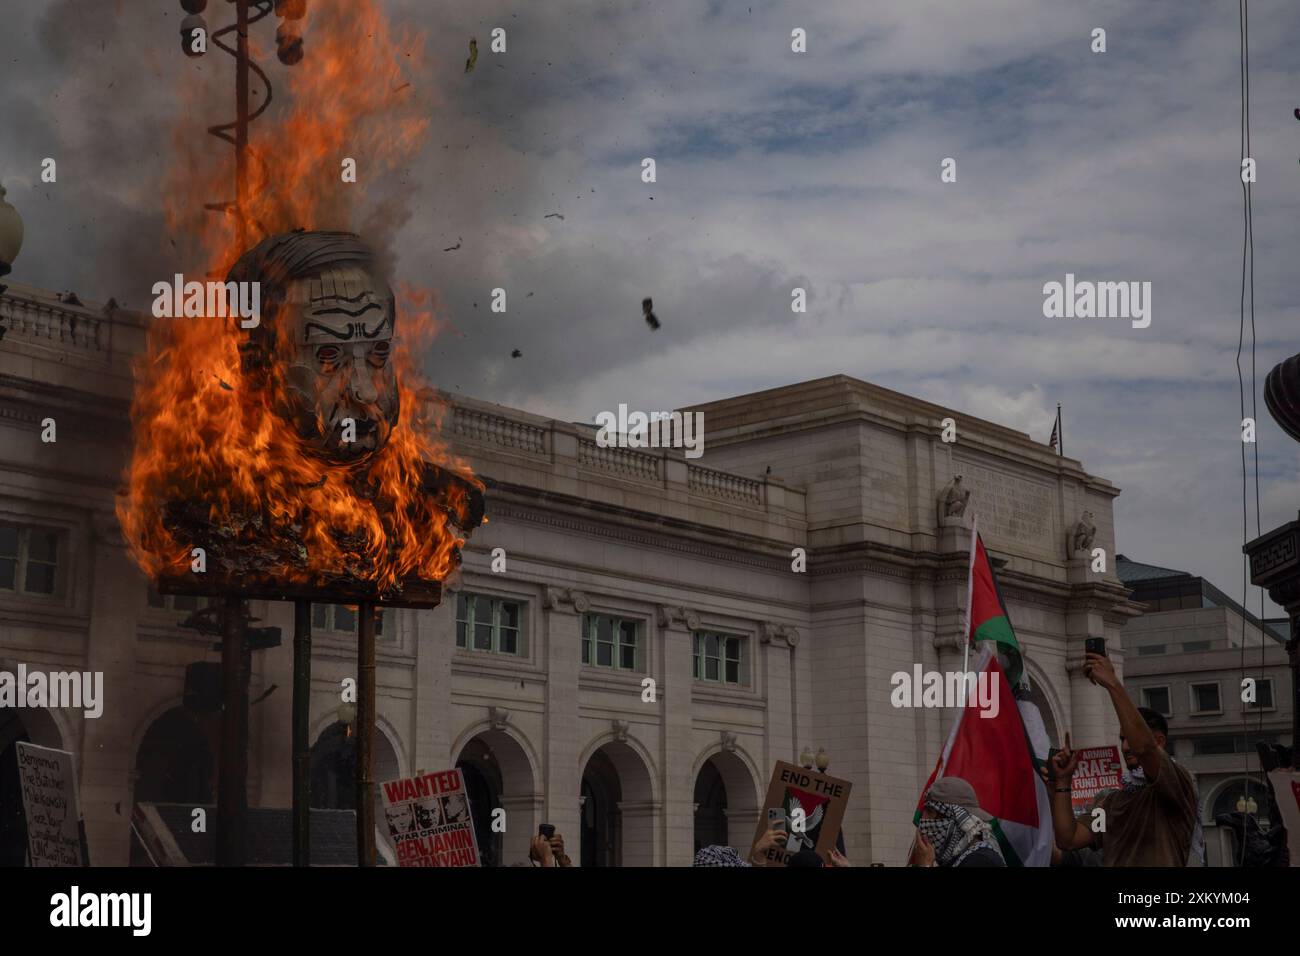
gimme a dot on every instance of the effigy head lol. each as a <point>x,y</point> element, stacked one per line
<point>326,337</point>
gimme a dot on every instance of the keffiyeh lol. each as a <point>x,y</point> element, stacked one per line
<point>719,856</point>
<point>956,833</point>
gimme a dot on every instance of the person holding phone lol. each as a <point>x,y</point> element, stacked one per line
<point>1151,821</point>
<point>547,848</point>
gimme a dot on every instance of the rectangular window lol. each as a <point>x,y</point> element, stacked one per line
<point>1192,647</point>
<point>718,657</point>
<point>1263,695</point>
<point>612,642</point>
<point>1157,698</point>
<point>1146,649</point>
<point>488,624</point>
<point>29,559</point>
<point>342,619</point>
<point>1205,699</point>
<point>176,602</point>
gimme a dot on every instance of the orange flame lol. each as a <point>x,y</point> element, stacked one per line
<point>210,442</point>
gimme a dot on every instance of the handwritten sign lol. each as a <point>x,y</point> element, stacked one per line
<point>821,801</point>
<point>1099,770</point>
<point>429,820</point>
<point>49,786</point>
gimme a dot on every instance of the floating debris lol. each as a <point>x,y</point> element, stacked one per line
<point>646,309</point>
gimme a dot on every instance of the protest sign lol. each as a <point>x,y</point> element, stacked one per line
<point>1099,770</point>
<point>49,787</point>
<point>821,799</point>
<point>429,820</point>
<point>1286,791</point>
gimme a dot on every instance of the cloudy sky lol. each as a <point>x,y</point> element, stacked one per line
<point>777,170</point>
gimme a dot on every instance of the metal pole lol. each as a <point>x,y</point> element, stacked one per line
<point>365,735</point>
<point>301,718</point>
<point>231,787</point>
<point>241,123</point>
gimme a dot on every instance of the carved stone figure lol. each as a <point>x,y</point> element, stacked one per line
<point>953,499</point>
<point>1082,535</point>
<point>327,327</point>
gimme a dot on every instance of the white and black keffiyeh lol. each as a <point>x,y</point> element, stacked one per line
<point>719,856</point>
<point>956,833</point>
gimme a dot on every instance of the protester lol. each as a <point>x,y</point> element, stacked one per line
<point>729,856</point>
<point>954,830</point>
<point>550,852</point>
<point>1151,820</point>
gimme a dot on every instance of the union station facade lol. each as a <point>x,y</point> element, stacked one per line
<point>620,564</point>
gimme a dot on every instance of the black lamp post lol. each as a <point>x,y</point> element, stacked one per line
<point>235,646</point>
<point>1275,556</point>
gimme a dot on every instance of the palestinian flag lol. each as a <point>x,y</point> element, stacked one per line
<point>988,614</point>
<point>993,755</point>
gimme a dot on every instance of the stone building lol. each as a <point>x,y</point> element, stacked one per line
<point>1188,654</point>
<point>622,566</point>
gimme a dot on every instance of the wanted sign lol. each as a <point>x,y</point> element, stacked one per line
<point>822,801</point>
<point>429,820</point>
<point>1099,770</point>
<point>49,786</point>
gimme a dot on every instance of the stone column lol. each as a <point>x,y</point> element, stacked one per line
<point>434,632</point>
<point>107,771</point>
<point>677,628</point>
<point>638,832</point>
<point>778,642</point>
<point>562,621</point>
<point>523,813</point>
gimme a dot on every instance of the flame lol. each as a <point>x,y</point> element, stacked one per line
<point>210,449</point>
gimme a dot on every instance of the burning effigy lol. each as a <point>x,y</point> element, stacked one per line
<point>306,470</point>
<point>290,455</point>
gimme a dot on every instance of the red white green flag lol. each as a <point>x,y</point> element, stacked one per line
<point>988,613</point>
<point>992,754</point>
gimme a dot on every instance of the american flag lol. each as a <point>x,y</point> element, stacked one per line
<point>1053,440</point>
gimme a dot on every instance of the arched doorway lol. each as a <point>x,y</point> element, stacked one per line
<point>498,775</point>
<point>176,763</point>
<point>617,808</point>
<point>710,808</point>
<point>334,768</point>
<point>726,802</point>
<point>34,726</point>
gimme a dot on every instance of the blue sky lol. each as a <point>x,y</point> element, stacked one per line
<point>778,170</point>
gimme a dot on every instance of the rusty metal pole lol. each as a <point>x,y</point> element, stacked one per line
<point>301,721</point>
<point>241,123</point>
<point>365,734</point>
<point>232,790</point>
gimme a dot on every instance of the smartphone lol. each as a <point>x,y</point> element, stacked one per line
<point>545,829</point>
<point>1095,645</point>
<point>776,818</point>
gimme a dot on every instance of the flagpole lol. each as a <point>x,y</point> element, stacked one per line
<point>970,586</point>
<point>1060,432</point>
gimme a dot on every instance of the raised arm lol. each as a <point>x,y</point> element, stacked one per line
<point>1099,669</point>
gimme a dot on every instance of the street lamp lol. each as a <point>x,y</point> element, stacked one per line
<point>11,234</point>
<point>823,759</point>
<point>806,758</point>
<point>288,42</point>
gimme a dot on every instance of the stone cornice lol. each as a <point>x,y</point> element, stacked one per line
<point>773,633</point>
<point>666,541</point>
<point>554,598</point>
<point>667,616</point>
